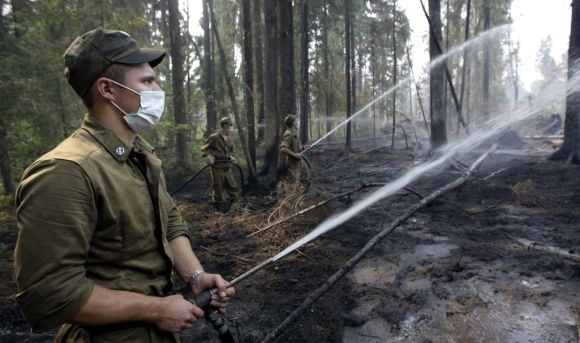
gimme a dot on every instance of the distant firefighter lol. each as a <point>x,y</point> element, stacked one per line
<point>291,167</point>
<point>219,151</point>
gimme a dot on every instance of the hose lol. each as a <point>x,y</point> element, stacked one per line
<point>189,179</point>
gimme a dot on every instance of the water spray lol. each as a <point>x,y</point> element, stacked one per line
<point>438,60</point>
<point>446,152</point>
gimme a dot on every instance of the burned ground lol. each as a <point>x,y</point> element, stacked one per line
<point>453,272</point>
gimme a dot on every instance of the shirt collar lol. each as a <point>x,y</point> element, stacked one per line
<point>116,146</point>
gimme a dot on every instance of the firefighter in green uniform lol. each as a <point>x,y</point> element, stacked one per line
<point>292,169</point>
<point>219,151</point>
<point>99,237</point>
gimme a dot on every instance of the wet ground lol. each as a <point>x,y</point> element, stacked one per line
<point>455,271</point>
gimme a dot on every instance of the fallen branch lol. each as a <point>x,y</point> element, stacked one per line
<point>225,255</point>
<point>545,137</point>
<point>376,239</point>
<point>531,245</point>
<point>312,207</point>
<point>348,157</point>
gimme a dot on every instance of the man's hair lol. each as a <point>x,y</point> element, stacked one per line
<point>115,72</point>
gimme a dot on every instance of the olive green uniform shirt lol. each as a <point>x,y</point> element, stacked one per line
<point>220,148</point>
<point>290,165</point>
<point>223,181</point>
<point>93,211</point>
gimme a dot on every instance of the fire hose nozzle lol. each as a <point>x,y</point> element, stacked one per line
<point>213,317</point>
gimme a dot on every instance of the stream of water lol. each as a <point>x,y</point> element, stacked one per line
<point>487,131</point>
<point>470,44</point>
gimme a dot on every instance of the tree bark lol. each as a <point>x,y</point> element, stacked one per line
<point>327,76</point>
<point>286,78</point>
<point>208,70</point>
<point>347,35</point>
<point>177,80</point>
<point>272,134</point>
<point>436,79</point>
<point>259,58</point>
<point>465,58</point>
<point>305,94</point>
<point>570,150</point>
<point>249,80</point>
<point>394,73</point>
<point>486,62</point>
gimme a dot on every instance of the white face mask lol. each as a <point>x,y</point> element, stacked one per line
<point>151,105</point>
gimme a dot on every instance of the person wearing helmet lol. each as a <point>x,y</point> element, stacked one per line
<point>219,151</point>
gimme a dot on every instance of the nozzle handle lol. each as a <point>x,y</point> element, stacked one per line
<point>202,300</point>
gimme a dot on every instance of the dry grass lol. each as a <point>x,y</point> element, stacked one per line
<point>245,218</point>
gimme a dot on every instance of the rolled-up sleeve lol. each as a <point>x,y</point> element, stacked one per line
<point>176,226</point>
<point>56,217</point>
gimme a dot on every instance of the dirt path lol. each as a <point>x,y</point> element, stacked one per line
<point>451,273</point>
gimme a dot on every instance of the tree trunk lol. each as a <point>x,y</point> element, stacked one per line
<point>286,81</point>
<point>327,76</point>
<point>305,94</point>
<point>259,57</point>
<point>249,80</point>
<point>394,73</point>
<point>436,80</point>
<point>353,68</point>
<point>347,71</point>
<point>251,170</point>
<point>208,70</point>
<point>272,137</point>
<point>486,62</point>
<point>179,109</point>
<point>465,59</point>
<point>5,167</point>
<point>570,150</point>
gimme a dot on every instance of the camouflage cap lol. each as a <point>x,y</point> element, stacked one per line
<point>226,120</point>
<point>290,118</point>
<point>91,54</point>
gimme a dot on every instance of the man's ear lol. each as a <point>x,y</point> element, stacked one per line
<point>104,88</point>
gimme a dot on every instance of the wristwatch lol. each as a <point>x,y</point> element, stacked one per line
<point>194,275</point>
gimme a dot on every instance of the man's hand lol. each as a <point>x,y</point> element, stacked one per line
<point>234,161</point>
<point>207,281</point>
<point>210,160</point>
<point>175,314</point>
<point>306,147</point>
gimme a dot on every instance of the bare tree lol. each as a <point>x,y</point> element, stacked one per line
<point>436,79</point>
<point>305,94</point>
<point>208,70</point>
<point>230,88</point>
<point>347,35</point>
<point>286,78</point>
<point>177,81</point>
<point>486,61</point>
<point>249,79</point>
<point>272,134</point>
<point>394,33</point>
<point>259,59</point>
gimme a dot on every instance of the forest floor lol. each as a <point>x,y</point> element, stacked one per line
<point>455,271</point>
